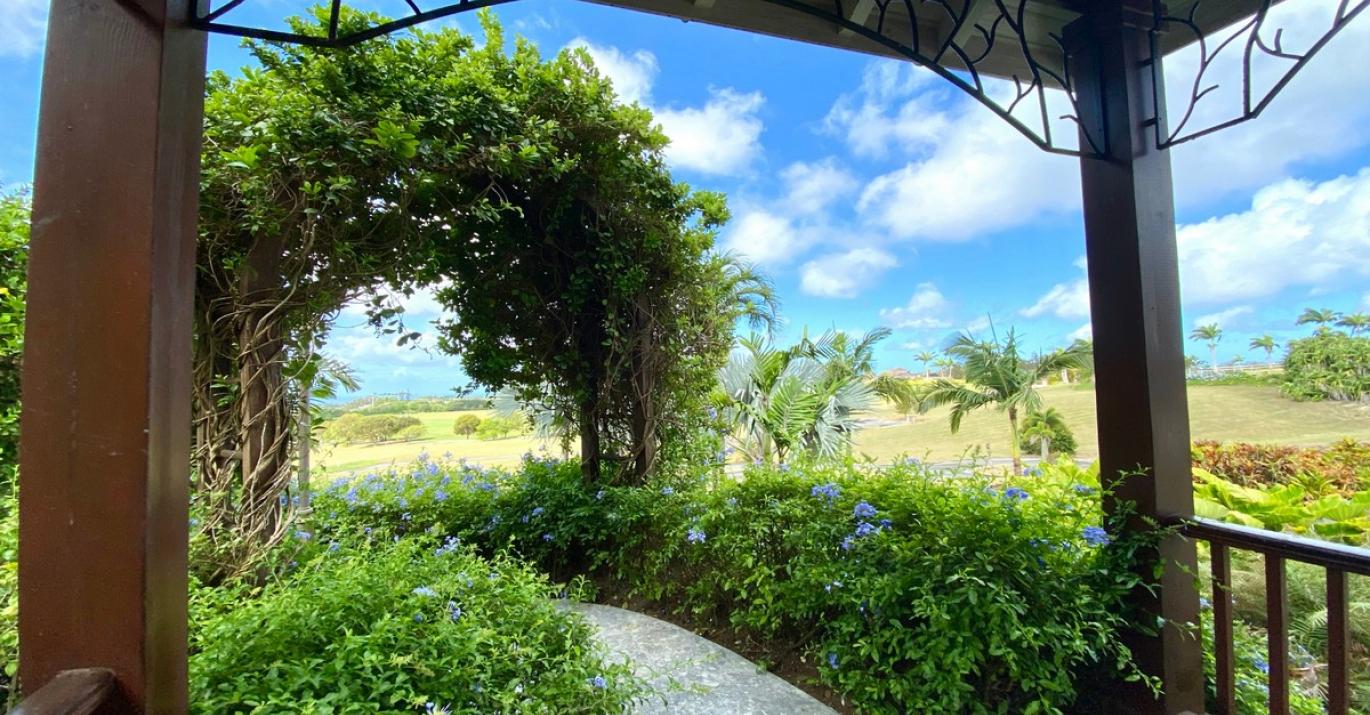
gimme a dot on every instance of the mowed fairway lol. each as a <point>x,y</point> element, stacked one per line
<point>1222,412</point>
<point>1245,413</point>
<point>338,460</point>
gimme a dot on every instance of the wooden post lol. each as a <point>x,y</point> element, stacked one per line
<point>106,418</point>
<point>1134,292</point>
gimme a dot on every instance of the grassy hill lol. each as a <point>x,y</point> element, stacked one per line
<point>1219,412</point>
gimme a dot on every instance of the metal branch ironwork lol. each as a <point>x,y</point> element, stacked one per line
<point>1258,47</point>
<point>958,40</point>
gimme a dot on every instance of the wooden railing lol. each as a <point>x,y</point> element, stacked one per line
<point>1337,559</point>
<point>72,692</point>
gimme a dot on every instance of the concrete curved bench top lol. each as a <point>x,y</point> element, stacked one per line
<point>693,675</point>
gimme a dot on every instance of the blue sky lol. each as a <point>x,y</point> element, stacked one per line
<point>875,194</point>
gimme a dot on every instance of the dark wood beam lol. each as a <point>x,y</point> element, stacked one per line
<point>106,424</point>
<point>1134,289</point>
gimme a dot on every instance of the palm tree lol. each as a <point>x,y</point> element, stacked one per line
<point>782,400</point>
<point>925,357</point>
<point>1043,426</point>
<point>1356,322</point>
<point>1212,335</point>
<point>1321,318</point>
<point>748,294</point>
<point>1266,343</point>
<point>314,377</point>
<point>995,374</point>
<point>945,365</point>
<point>845,358</point>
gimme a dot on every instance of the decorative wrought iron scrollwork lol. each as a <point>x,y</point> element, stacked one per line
<point>1259,43</point>
<point>209,20</point>
<point>972,33</point>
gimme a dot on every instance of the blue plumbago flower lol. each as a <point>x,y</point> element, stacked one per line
<point>1082,489</point>
<point>1204,603</point>
<point>453,610</point>
<point>783,466</point>
<point>863,510</point>
<point>865,528</point>
<point>1261,665</point>
<point>447,455</point>
<point>538,511</point>
<point>406,516</point>
<point>713,413</point>
<point>847,543</point>
<point>886,524</point>
<point>281,500</point>
<point>402,503</point>
<point>832,661</point>
<point>667,491</point>
<point>1015,493</point>
<point>599,682</point>
<point>732,501</point>
<point>831,586</point>
<point>440,495</point>
<point>424,591</point>
<point>494,521</point>
<point>548,537</point>
<point>435,709</point>
<point>418,618</point>
<point>912,461</point>
<point>1095,536</point>
<point>432,468</point>
<point>334,546</point>
<point>829,491</point>
<point>695,536</point>
<point>449,545</point>
<point>599,495</point>
<point>303,535</point>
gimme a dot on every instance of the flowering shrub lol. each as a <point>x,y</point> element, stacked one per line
<point>916,593</point>
<point>413,625</point>
<point>9,599</point>
<point>1252,672</point>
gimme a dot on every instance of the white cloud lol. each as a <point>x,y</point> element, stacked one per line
<point>969,172</point>
<point>1225,318</point>
<point>1068,300</point>
<point>1296,233</point>
<point>1320,115</point>
<point>1365,300</point>
<point>23,27</point>
<point>811,188</point>
<point>1084,332</point>
<point>843,275</point>
<point>926,309</point>
<point>722,137</point>
<point>632,75</point>
<point>981,323</point>
<point>765,237</point>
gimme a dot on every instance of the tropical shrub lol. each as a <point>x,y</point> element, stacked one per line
<point>14,238</point>
<point>1284,508</point>
<point>1252,676</point>
<point>465,425</point>
<point>1328,365</point>
<point>399,627</point>
<point>9,601</point>
<point>1047,428</point>
<point>1345,464</point>
<point>913,592</point>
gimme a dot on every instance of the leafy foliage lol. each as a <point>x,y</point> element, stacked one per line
<point>603,301</point>
<point>1290,507</point>
<point>779,403</point>
<point>1047,428</point>
<point>465,425</point>
<point>382,627</point>
<point>9,601</point>
<point>1344,465</point>
<point>1328,365</point>
<point>14,239</point>
<point>1252,671</point>
<point>352,428</point>
<point>913,593</point>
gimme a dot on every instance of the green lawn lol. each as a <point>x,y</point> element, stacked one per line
<point>1249,413</point>
<point>345,459</point>
<point>1225,413</point>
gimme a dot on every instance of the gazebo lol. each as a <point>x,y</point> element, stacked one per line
<point>106,414</point>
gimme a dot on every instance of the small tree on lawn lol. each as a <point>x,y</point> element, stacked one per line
<point>996,374</point>
<point>465,425</point>
<point>1047,430</point>
<point>926,357</point>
